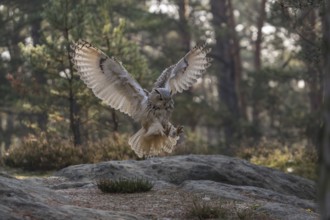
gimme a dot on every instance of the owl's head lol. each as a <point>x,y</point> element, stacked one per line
<point>161,97</point>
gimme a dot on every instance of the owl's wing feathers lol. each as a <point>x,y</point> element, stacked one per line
<point>185,73</point>
<point>108,79</point>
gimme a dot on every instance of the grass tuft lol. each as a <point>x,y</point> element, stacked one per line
<point>224,209</point>
<point>123,185</point>
<point>202,210</point>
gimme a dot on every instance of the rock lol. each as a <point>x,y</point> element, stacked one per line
<point>177,169</point>
<point>72,193</point>
<point>278,205</point>
<point>19,199</point>
<point>287,212</point>
<point>280,195</point>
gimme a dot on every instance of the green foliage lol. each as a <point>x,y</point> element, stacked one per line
<point>299,159</point>
<point>124,185</point>
<point>114,148</point>
<point>43,154</point>
<point>192,144</point>
<point>282,106</point>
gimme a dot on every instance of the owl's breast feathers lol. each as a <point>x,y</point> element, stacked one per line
<point>159,111</point>
<point>157,133</point>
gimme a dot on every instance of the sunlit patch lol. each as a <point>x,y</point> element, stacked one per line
<point>29,41</point>
<point>197,99</point>
<point>268,29</point>
<point>5,56</point>
<point>164,7</point>
<point>65,74</point>
<point>289,169</point>
<point>301,84</point>
<point>239,27</point>
<point>272,83</point>
<point>236,13</point>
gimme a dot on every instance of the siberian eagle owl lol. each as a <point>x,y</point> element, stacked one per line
<point>111,82</point>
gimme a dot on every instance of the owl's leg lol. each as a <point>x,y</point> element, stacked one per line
<point>172,131</point>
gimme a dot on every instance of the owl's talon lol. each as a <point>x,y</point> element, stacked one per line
<point>167,130</point>
<point>179,130</point>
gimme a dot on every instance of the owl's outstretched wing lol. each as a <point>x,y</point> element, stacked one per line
<point>108,79</point>
<point>185,73</point>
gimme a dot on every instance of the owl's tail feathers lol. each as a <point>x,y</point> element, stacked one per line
<point>148,145</point>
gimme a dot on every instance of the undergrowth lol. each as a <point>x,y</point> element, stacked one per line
<point>45,153</point>
<point>296,159</point>
<point>123,185</point>
<point>192,144</point>
<point>42,154</point>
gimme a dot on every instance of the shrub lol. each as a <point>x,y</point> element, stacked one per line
<point>113,148</point>
<point>192,144</point>
<point>296,159</point>
<point>124,185</point>
<point>42,154</point>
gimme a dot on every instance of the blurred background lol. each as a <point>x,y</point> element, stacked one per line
<point>260,100</point>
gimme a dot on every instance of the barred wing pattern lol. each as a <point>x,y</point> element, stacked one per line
<point>108,79</point>
<point>185,73</point>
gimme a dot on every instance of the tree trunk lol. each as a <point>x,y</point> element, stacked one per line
<point>39,75</point>
<point>236,54</point>
<point>310,46</point>
<point>257,63</point>
<point>74,117</point>
<point>114,120</point>
<point>183,6</point>
<point>225,68</point>
<point>35,31</point>
<point>260,24</point>
<point>114,117</point>
<point>324,153</point>
<point>74,108</point>
<point>315,93</point>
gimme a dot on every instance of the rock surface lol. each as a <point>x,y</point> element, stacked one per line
<point>219,180</point>
<point>178,169</point>
<point>26,199</point>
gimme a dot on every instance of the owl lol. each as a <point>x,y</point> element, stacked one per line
<point>111,82</point>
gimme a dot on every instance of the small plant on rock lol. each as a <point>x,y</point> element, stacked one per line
<point>222,209</point>
<point>123,185</point>
<point>202,210</point>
